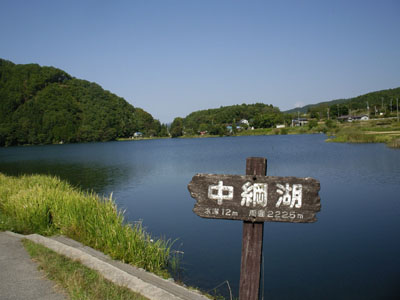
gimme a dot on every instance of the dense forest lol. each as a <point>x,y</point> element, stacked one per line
<point>384,101</point>
<point>227,119</point>
<point>44,105</point>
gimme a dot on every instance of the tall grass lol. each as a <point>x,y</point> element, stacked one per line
<point>394,143</point>
<point>47,205</point>
<point>357,135</point>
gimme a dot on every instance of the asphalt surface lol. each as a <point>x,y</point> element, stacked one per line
<point>19,275</point>
<point>20,279</point>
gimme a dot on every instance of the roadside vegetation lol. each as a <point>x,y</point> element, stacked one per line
<point>78,281</point>
<point>48,206</point>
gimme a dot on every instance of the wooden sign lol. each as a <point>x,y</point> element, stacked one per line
<point>256,198</point>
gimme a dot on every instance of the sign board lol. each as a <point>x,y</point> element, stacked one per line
<point>256,198</point>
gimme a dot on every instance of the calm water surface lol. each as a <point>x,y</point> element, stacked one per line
<point>351,252</point>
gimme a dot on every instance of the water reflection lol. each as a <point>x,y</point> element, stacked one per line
<point>98,167</point>
<point>351,250</point>
<point>88,177</point>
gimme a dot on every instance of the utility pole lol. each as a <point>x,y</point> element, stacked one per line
<point>328,113</point>
<point>338,111</point>
<point>391,108</point>
<point>397,109</point>
<point>368,108</point>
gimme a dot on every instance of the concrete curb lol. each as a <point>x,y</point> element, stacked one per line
<point>20,277</point>
<point>151,286</point>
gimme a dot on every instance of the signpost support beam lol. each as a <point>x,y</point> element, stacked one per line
<point>255,198</point>
<point>252,242</point>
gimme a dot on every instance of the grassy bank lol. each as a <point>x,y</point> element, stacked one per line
<point>78,281</point>
<point>47,205</point>
<point>142,138</point>
<point>374,131</point>
<point>265,131</point>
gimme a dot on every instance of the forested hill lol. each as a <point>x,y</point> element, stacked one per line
<point>43,105</point>
<point>215,121</point>
<point>388,97</point>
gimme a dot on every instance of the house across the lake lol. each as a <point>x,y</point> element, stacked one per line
<point>360,118</point>
<point>299,122</point>
<point>354,118</point>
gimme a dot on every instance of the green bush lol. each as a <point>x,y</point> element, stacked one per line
<point>312,124</point>
<point>330,124</point>
<point>284,131</point>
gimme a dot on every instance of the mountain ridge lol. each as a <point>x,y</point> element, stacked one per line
<point>374,97</point>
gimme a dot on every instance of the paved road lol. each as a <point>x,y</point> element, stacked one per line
<point>19,276</point>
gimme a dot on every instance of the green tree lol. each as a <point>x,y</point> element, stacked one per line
<point>330,124</point>
<point>163,131</point>
<point>218,130</point>
<point>312,124</point>
<point>203,127</point>
<point>177,127</point>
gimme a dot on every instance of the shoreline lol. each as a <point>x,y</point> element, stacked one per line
<point>372,131</point>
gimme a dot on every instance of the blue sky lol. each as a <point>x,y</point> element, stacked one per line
<point>174,57</point>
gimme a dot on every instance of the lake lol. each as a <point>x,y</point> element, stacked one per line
<point>351,252</point>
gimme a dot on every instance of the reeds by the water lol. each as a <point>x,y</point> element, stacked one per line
<point>395,143</point>
<point>355,135</point>
<point>47,205</point>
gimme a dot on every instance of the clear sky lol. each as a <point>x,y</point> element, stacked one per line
<point>174,57</point>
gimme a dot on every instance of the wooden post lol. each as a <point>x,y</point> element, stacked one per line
<point>255,198</point>
<point>252,242</point>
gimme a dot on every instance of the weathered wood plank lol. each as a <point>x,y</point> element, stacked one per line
<point>250,269</point>
<point>256,198</point>
<point>252,243</point>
